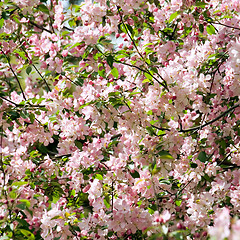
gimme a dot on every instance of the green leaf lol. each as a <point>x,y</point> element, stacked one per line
<point>127,28</point>
<point>13,195</point>
<point>21,206</point>
<point>210,29</point>
<point>24,114</point>
<point>57,217</point>
<point>57,238</point>
<point>80,81</point>
<point>152,122</point>
<point>43,8</point>
<point>106,202</point>
<point>78,144</point>
<point>32,117</point>
<point>28,172</point>
<point>148,76</point>
<point>113,94</point>
<point>177,235</point>
<point>173,16</point>
<point>165,155</point>
<point>28,70</point>
<point>104,21</point>
<point>178,202</point>
<point>222,143</point>
<point>75,45</point>
<point>134,93</point>
<point>201,28</point>
<point>202,156</point>
<point>19,183</point>
<point>23,222</point>
<point>206,177</point>
<point>164,181</point>
<point>156,2</point>
<point>21,54</point>
<point>71,23</point>
<point>135,174</point>
<point>151,211</point>
<point>26,202</point>
<point>10,128</point>
<point>150,130</point>
<point>115,72</point>
<point>193,165</point>
<point>99,176</point>
<point>15,18</point>
<point>55,199</point>
<point>27,234</point>
<point>146,80</point>
<point>110,60</point>
<point>100,47</point>
<point>210,212</point>
<point>5,15</point>
<point>1,22</point>
<point>201,4</point>
<point>130,29</point>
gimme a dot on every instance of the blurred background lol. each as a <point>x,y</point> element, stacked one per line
<point>67,3</point>
<point>74,1</point>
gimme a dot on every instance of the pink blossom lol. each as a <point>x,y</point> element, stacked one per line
<point>220,230</point>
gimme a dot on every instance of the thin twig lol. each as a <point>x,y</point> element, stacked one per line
<point>16,77</point>
<point>21,105</point>
<point>118,8</point>
<point>40,27</point>
<point>69,29</point>
<point>5,99</point>
<point>225,25</point>
<point>161,128</point>
<point>219,163</point>
<point>49,89</point>
<point>33,23</point>
<point>143,70</point>
<point>132,40</point>
<point>70,80</point>
<point>112,196</point>
<point>185,186</point>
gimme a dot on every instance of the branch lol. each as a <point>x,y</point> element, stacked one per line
<point>165,83</point>
<point>225,25</point>
<point>215,71</point>
<point>219,163</point>
<point>69,79</point>
<point>204,125</point>
<point>49,89</point>
<point>118,8</point>
<point>67,28</point>
<point>184,186</point>
<point>17,81</point>
<point>212,121</point>
<point>33,23</point>
<point>40,27</point>
<point>10,66</point>
<point>116,136</point>
<point>7,100</point>
<point>143,70</point>
<point>20,105</point>
<point>160,128</point>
